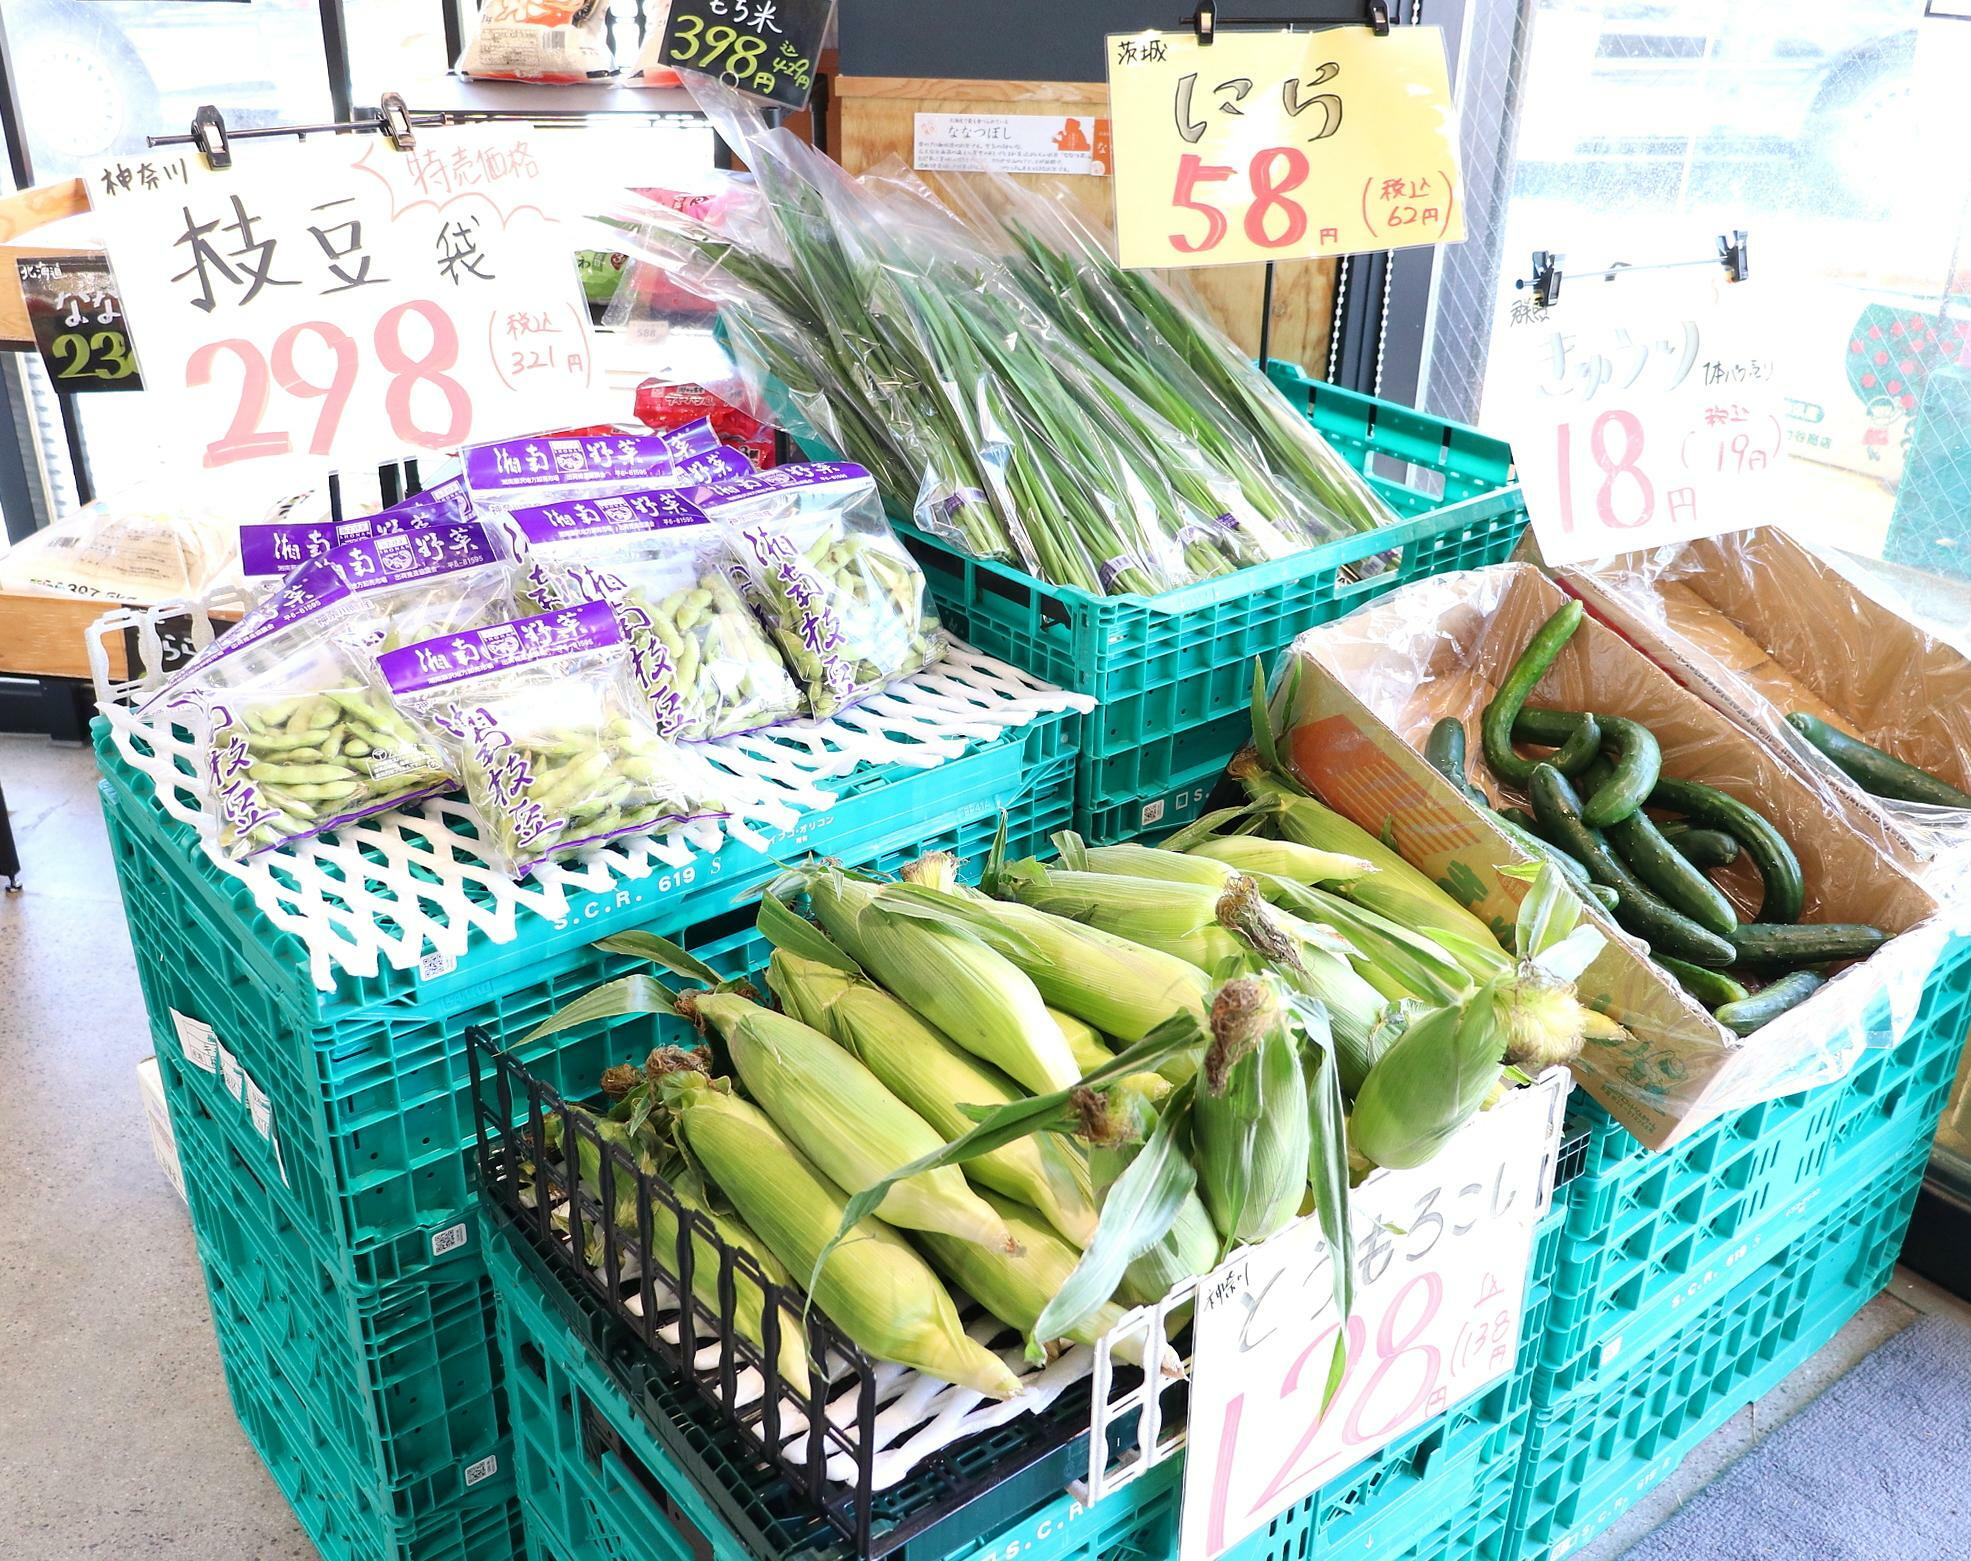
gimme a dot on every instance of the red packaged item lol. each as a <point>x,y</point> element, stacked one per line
<point>560,41</point>
<point>662,407</point>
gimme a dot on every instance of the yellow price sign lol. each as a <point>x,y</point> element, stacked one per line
<point>1282,145</point>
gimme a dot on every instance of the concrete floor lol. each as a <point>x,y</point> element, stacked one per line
<point>116,1436</point>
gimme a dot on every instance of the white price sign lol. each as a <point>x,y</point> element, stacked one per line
<point>1441,1257</point>
<point>1640,411</point>
<point>344,300</point>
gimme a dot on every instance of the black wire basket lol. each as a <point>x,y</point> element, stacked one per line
<point>815,1441</point>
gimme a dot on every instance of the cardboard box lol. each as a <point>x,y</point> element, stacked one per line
<point>1757,626</point>
<point>1368,690</point>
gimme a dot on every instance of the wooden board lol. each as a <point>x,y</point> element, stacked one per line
<point>43,637</point>
<point>20,214</point>
<point>876,120</point>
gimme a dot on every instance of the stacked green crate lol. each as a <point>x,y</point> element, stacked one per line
<point>1692,1280</point>
<point>329,1130</point>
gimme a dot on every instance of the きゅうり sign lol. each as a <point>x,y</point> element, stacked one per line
<point>345,300</point>
<point>1281,145</point>
<point>1641,411</point>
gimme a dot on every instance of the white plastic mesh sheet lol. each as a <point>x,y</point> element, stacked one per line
<point>412,886</point>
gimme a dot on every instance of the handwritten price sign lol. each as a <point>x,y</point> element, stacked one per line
<point>1441,1272</point>
<point>1281,145</point>
<point>344,300</point>
<point>1641,411</point>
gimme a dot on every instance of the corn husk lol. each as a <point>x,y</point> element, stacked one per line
<point>936,1079</point>
<point>1190,1246</point>
<point>1249,1114</point>
<point>1016,1289</point>
<point>1083,1040</point>
<point>748,1300</point>
<point>873,1287</point>
<point>1433,1078</point>
<point>974,995</point>
<point>1261,858</point>
<point>843,1118</point>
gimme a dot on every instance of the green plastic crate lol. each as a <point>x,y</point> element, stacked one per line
<point>406,1382</point>
<point>1173,672</point>
<point>368,1087</point>
<point>333,1499</point>
<point>1652,1235</point>
<point>604,1442</point>
<point>1593,1452</point>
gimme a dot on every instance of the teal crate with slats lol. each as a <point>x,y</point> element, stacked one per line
<point>605,1443</point>
<point>1173,672</point>
<point>366,1085</point>
<point>1652,1234</point>
<point>1594,1450</point>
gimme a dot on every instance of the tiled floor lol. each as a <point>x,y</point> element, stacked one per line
<point>116,1437</point>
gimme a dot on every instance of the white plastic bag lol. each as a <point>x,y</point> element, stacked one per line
<point>561,41</point>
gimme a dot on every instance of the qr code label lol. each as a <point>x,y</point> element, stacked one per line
<point>484,1469</point>
<point>1153,812</point>
<point>450,1239</point>
<point>435,964</point>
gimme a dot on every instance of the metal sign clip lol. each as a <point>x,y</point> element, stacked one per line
<point>396,120</point>
<point>209,136</point>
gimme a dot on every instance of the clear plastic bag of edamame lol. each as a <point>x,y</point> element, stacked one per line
<point>701,657</point>
<point>419,585</point>
<point>844,601</point>
<point>296,740</point>
<point>545,726</point>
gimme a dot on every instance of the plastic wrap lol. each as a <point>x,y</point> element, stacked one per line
<point>1296,489</point>
<point>843,600</point>
<point>881,321</point>
<point>565,468</point>
<point>562,41</point>
<point>1361,694</point>
<point>144,545</point>
<point>701,658</point>
<point>413,585</point>
<point>1760,627</point>
<point>293,738</point>
<point>549,734</point>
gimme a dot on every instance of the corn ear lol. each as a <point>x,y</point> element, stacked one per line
<point>842,1117</point>
<point>873,1287</point>
<point>1261,858</point>
<point>1119,1125</point>
<point>1431,1080</point>
<point>1249,1115</point>
<point>977,997</point>
<point>1017,1289</point>
<point>748,1300</point>
<point>1177,919</point>
<point>1083,1041</point>
<point>936,1079</point>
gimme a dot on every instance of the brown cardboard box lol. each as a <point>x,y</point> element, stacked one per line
<point>1369,688</point>
<point>1757,626</point>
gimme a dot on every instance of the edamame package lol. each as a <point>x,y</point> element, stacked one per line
<point>295,738</point>
<point>272,550</point>
<point>700,656</point>
<point>554,468</point>
<point>542,721</point>
<point>417,585</point>
<point>845,602</point>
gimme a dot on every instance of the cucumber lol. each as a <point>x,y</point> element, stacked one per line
<point>1709,987</point>
<point>1658,864</point>
<point>1787,946</point>
<point>1878,773</point>
<point>1779,868</point>
<point>1444,752</point>
<point>1664,929</point>
<point>1521,817</point>
<point>1638,766</point>
<point>1541,851</point>
<point>1702,848</point>
<point>1495,727</point>
<point>1574,736</point>
<point>1747,1014</point>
